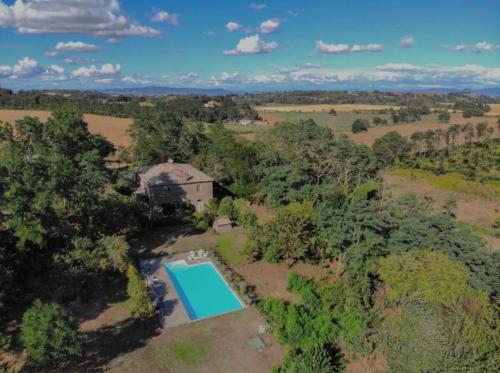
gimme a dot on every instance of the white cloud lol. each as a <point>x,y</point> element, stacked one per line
<point>189,77</point>
<point>226,78</point>
<point>270,26</point>
<point>324,48</point>
<point>209,33</point>
<point>256,6</point>
<point>407,42</point>
<point>292,13</point>
<point>76,46</point>
<point>74,60</point>
<point>252,45</point>
<point>479,47</point>
<point>162,16</point>
<point>233,26</point>
<point>93,71</point>
<point>92,17</point>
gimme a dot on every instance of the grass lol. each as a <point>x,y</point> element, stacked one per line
<point>187,353</point>
<point>454,182</point>
<point>478,229</point>
<point>229,246</point>
<point>323,107</point>
<point>340,122</point>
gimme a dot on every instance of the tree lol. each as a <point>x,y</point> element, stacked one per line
<point>139,302</point>
<point>360,125</point>
<point>115,252</point>
<point>158,136</point>
<point>332,111</point>
<point>390,148</point>
<point>49,334</point>
<point>227,208</point>
<point>444,117</point>
<point>54,175</point>
<point>290,236</point>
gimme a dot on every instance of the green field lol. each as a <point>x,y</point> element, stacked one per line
<point>454,182</point>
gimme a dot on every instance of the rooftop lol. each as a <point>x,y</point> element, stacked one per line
<point>171,173</point>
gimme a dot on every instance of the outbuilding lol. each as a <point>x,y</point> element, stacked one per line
<point>222,225</point>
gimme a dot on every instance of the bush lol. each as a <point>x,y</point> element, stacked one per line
<point>139,302</point>
<point>444,117</point>
<point>360,125</point>
<point>49,334</point>
<point>227,208</point>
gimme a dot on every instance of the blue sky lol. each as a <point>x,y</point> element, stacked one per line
<point>241,45</point>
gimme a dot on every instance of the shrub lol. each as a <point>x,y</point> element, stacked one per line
<point>444,117</point>
<point>139,302</point>
<point>49,334</point>
<point>360,125</point>
<point>246,218</point>
<point>227,208</point>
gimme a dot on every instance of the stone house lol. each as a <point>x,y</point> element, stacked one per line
<point>172,184</point>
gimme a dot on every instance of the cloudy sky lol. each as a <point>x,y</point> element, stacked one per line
<point>241,45</point>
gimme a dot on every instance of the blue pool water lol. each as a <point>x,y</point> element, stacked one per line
<point>202,290</point>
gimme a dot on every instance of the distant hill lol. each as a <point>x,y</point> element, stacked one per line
<point>482,91</point>
<point>161,91</point>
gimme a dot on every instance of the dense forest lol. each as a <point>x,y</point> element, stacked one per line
<point>411,282</point>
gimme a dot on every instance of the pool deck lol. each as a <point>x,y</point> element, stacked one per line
<point>173,312</point>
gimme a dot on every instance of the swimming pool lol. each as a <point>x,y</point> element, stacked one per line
<point>202,289</point>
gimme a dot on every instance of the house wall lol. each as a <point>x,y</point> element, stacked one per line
<point>192,192</point>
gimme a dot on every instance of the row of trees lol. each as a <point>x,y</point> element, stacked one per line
<point>467,149</point>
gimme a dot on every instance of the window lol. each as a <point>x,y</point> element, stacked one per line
<point>197,187</point>
<point>168,189</point>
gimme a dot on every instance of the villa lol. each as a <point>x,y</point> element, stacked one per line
<point>172,184</point>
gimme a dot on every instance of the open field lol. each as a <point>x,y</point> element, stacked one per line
<point>323,107</point>
<point>407,130</point>
<point>495,110</point>
<point>477,212</point>
<point>114,129</point>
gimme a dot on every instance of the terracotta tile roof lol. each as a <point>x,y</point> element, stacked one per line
<point>170,173</point>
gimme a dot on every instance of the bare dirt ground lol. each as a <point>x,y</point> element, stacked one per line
<point>470,209</point>
<point>114,129</point>
<point>373,363</point>
<point>271,279</point>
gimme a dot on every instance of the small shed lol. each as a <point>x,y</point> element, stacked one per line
<point>222,225</point>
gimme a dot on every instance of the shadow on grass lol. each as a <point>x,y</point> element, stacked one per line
<point>154,243</point>
<point>105,344</point>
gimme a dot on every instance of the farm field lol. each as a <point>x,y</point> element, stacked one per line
<point>495,111</point>
<point>114,129</point>
<point>407,130</point>
<point>323,107</point>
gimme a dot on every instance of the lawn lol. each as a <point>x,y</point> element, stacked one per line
<point>230,246</point>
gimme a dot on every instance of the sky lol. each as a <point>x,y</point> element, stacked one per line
<point>250,46</point>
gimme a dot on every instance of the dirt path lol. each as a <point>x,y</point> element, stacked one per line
<point>470,209</point>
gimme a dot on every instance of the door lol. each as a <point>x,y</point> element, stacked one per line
<point>199,205</point>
